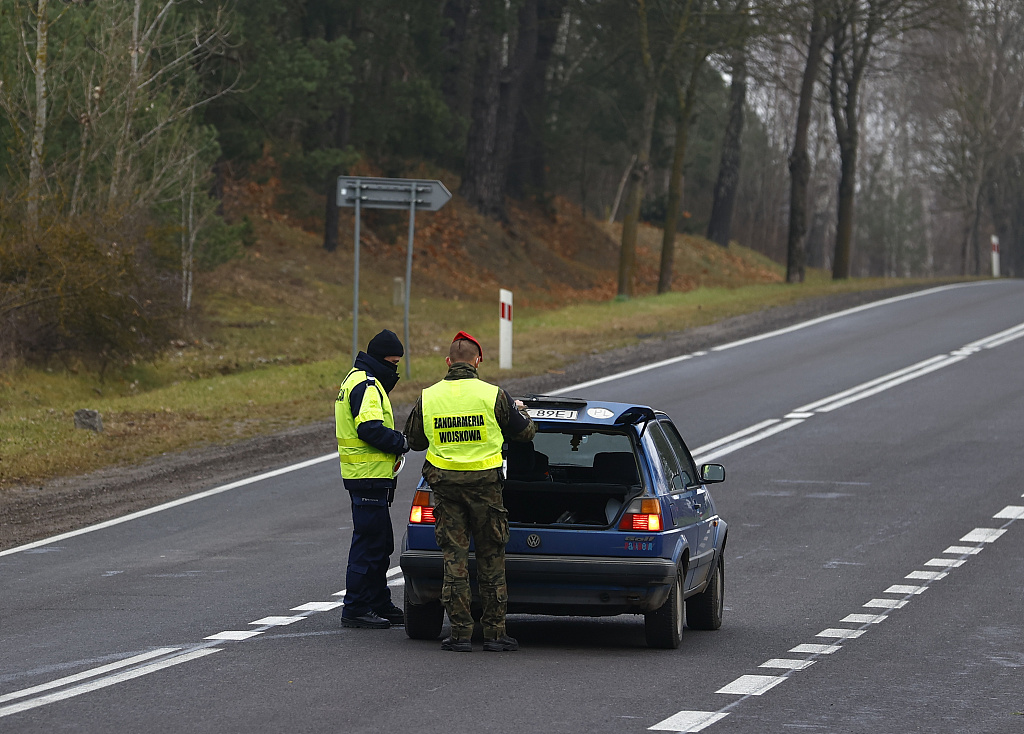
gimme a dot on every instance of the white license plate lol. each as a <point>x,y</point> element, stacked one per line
<point>551,414</point>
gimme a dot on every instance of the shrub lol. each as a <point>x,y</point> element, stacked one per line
<point>103,290</point>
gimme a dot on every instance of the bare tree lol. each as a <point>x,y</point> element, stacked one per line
<point>799,160</point>
<point>859,28</point>
<point>981,86</point>
<point>660,31</point>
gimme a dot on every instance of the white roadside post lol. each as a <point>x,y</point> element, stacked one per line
<point>995,256</point>
<point>505,330</point>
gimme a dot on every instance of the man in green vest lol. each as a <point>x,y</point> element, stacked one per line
<point>462,423</point>
<point>369,446</point>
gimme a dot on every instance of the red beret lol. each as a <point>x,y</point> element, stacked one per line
<point>467,337</point>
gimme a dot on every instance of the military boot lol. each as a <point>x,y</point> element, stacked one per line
<point>502,644</point>
<point>453,644</point>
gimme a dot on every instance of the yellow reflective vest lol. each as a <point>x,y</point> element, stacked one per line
<point>360,460</point>
<point>460,425</point>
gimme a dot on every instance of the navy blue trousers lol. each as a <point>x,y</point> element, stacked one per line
<point>373,542</point>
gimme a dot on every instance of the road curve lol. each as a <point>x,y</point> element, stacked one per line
<point>874,578</point>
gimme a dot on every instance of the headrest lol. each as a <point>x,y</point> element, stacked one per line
<point>616,467</point>
<point>520,458</point>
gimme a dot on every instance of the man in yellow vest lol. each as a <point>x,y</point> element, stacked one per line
<point>462,423</point>
<point>369,446</point>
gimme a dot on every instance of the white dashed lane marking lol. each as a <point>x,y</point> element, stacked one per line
<point>318,606</point>
<point>891,603</point>
<point>864,618</point>
<point>842,634</point>
<point>689,721</point>
<point>752,685</point>
<point>816,649</point>
<point>962,550</point>
<point>756,685</point>
<point>234,635</point>
<point>787,664</point>
<point>277,621</point>
<point>926,575</point>
<point>944,563</point>
<point>983,535</point>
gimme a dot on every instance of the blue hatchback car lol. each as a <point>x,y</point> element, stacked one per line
<point>608,515</point>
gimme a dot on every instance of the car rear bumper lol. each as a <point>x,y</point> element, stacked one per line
<point>540,584</point>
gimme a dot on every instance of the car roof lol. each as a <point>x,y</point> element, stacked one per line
<point>554,411</point>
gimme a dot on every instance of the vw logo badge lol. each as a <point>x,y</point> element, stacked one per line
<point>533,540</point>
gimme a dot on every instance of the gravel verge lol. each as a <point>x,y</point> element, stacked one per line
<point>31,513</point>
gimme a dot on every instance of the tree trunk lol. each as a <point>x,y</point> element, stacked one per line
<point>844,221</point>
<point>120,165</point>
<point>342,125</point>
<point>675,183</point>
<point>799,161</point>
<point>458,58</point>
<point>35,169</point>
<point>844,87</point>
<point>528,167</point>
<point>720,224</point>
<point>514,78</point>
<point>331,215</point>
<point>638,176</point>
<point>480,185</point>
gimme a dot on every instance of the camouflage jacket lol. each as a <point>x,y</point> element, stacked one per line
<point>515,425</point>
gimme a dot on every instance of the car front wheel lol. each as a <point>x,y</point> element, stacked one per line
<point>704,611</point>
<point>664,626</point>
<point>424,621</point>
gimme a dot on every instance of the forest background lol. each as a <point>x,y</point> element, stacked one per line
<point>153,147</point>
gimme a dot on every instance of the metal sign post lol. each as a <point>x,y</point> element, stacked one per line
<point>389,193</point>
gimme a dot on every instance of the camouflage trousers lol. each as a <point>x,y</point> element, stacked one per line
<point>464,512</point>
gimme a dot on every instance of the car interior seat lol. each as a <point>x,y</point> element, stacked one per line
<point>616,467</point>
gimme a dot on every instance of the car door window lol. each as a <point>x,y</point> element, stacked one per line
<point>667,456</point>
<point>686,464</point>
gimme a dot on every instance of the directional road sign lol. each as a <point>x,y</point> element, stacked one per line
<point>392,193</point>
<point>389,193</point>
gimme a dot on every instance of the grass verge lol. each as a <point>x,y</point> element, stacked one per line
<point>274,367</point>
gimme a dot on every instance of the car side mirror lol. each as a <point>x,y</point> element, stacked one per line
<point>712,473</point>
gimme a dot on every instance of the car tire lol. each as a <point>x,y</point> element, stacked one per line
<point>663,627</point>
<point>704,611</point>
<point>424,621</point>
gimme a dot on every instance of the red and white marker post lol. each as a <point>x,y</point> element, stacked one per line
<point>995,256</point>
<point>505,330</point>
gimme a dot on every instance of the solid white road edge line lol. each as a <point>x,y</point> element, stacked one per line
<point>92,673</point>
<point>104,682</point>
<point>169,505</point>
<point>761,337</point>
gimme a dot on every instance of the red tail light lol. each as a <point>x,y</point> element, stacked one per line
<point>422,511</point>
<point>643,515</point>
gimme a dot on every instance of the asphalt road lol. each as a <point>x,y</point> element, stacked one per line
<point>874,576</point>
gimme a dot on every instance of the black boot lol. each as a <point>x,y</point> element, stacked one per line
<point>502,644</point>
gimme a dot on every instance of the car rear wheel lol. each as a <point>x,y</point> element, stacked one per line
<point>424,621</point>
<point>704,611</point>
<point>664,626</point>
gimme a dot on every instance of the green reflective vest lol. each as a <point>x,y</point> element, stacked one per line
<point>459,422</point>
<point>360,460</point>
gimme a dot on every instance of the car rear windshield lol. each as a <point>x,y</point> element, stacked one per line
<point>578,448</point>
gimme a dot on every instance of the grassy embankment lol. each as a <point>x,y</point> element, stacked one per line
<point>277,334</point>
